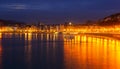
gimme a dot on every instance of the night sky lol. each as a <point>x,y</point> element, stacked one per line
<point>57,11</point>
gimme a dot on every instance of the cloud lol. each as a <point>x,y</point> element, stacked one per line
<point>47,6</point>
<point>27,6</point>
<point>14,6</point>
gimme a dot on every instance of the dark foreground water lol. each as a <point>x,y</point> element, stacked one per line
<point>52,51</point>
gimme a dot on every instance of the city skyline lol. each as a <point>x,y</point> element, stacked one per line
<point>57,11</point>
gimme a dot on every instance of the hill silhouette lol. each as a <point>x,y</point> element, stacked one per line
<point>113,19</point>
<point>10,23</point>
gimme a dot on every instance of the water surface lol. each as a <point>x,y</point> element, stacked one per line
<point>53,51</point>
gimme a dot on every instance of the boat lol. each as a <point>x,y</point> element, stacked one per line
<point>69,36</point>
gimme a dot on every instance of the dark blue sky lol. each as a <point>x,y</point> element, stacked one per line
<point>57,11</point>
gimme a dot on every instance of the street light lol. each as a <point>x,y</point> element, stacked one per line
<point>70,23</point>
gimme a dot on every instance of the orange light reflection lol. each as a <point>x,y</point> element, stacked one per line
<point>86,52</point>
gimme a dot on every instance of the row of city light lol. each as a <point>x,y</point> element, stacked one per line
<point>68,29</point>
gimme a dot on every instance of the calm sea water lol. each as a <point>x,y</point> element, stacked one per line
<point>52,51</point>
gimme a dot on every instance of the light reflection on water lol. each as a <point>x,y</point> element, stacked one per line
<point>86,52</point>
<point>52,51</point>
<point>0,51</point>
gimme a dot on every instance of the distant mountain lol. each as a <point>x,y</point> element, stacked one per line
<point>10,23</point>
<point>110,20</point>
